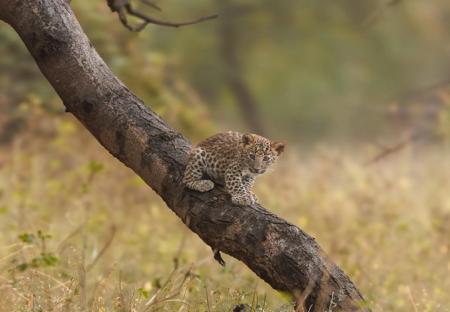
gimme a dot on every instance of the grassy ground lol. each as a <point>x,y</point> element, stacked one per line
<point>79,231</point>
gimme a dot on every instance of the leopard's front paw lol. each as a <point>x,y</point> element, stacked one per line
<point>201,186</point>
<point>243,200</point>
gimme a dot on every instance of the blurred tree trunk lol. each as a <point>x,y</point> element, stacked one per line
<point>277,251</point>
<point>10,123</point>
<point>234,74</point>
<point>420,110</point>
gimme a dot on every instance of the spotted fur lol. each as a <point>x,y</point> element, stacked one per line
<point>231,159</point>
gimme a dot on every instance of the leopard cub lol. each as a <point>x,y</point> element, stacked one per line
<point>231,159</point>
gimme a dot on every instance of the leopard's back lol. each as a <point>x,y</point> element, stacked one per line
<point>218,152</point>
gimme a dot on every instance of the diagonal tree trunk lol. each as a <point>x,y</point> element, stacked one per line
<point>277,251</point>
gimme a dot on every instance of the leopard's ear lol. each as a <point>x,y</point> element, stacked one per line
<point>278,147</point>
<point>247,139</point>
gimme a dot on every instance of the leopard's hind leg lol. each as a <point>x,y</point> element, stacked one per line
<point>195,169</point>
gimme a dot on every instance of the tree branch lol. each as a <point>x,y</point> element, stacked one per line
<point>389,150</point>
<point>277,251</point>
<point>124,7</point>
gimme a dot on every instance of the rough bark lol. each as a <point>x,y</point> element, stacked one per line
<point>277,251</point>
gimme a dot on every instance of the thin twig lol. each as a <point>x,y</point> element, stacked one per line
<point>121,297</point>
<point>176,258</point>
<point>373,18</point>
<point>152,20</point>
<point>104,248</point>
<point>387,151</point>
<point>11,246</point>
<point>151,4</point>
<point>411,299</point>
<point>101,283</point>
<point>82,272</point>
<point>125,7</point>
<point>153,298</point>
<point>173,300</point>
<point>71,235</point>
<point>65,299</point>
<point>16,291</point>
<point>60,284</point>
<point>207,298</point>
<point>15,252</point>
<point>254,299</point>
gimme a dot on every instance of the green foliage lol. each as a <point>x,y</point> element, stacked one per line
<point>27,238</point>
<point>144,293</point>
<point>94,167</point>
<point>45,258</point>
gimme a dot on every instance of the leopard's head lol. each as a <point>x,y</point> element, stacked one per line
<point>260,153</point>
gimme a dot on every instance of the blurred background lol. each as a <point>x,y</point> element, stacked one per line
<point>359,90</point>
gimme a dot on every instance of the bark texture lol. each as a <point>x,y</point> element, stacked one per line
<point>277,251</point>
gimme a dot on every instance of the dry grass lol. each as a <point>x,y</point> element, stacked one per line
<point>115,247</point>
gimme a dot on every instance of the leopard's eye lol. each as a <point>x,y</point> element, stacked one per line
<point>252,156</point>
<point>266,158</point>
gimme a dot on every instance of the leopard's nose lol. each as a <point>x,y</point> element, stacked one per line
<point>259,171</point>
